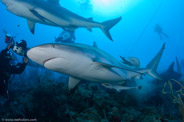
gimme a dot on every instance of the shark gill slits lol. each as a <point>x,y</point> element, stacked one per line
<point>47,60</point>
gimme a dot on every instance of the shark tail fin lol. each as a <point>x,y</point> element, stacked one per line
<point>107,25</point>
<point>152,66</point>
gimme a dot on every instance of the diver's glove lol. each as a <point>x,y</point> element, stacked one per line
<point>12,44</point>
<point>25,60</point>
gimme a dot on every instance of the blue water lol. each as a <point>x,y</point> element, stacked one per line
<point>135,19</point>
<point>133,36</point>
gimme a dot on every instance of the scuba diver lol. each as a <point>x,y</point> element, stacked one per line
<point>131,61</point>
<point>5,62</point>
<point>160,32</point>
<point>66,36</point>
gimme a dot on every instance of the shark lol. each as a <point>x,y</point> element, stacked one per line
<point>171,73</point>
<point>84,62</point>
<point>49,12</point>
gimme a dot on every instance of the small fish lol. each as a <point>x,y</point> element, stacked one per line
<point>119,88</point>
<point>131,61</point>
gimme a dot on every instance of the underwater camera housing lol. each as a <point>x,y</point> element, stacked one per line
<point>8,39</point>
<point>20,48</point>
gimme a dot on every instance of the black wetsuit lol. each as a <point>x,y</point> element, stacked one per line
<point>6,69</point>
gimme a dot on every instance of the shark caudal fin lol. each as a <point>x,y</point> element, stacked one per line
<point>152,66</point>
<point>107,25</point>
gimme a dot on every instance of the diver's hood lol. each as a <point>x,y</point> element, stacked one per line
<point>131,61</point>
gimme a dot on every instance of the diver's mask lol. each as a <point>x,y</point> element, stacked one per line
<point>20,48</point>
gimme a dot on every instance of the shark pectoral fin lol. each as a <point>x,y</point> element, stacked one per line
<point>109,66</point>
<point>31,26</point>
<point>73,82</point>
<point>35,13</point>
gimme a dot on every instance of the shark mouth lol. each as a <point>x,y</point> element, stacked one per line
<point>48,60</point>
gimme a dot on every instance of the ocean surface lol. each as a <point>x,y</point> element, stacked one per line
<point>41,94</point>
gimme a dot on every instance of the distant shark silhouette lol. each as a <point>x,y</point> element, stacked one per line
<point>170,73</point>
<point>89,63</point>
<point>49,12</point>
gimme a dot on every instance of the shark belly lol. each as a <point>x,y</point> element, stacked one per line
<point>65,20</point>
<point>103,75</point>
<point>82,67</point>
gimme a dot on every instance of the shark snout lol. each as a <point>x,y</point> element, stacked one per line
<point>38,54</point>
<point>43,53</point>
<point>9,4</point>
<point>6,2</point>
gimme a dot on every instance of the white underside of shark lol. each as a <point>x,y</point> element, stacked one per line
<point>49,12</point>
<point>83,62</point>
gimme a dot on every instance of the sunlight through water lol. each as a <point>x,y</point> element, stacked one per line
<point>112,7</point>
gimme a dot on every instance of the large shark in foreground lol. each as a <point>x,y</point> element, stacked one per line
<point>49,12</point>
<point>83,62</point>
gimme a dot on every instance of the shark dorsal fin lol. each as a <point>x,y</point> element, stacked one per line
<point>171,67</point>
<point>54,1</point>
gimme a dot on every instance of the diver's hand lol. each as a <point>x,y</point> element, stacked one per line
<point>10,45</point>
<point>25,59</point>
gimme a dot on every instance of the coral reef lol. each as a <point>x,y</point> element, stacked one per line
<point>176,95</point>
<point>47,98</point>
